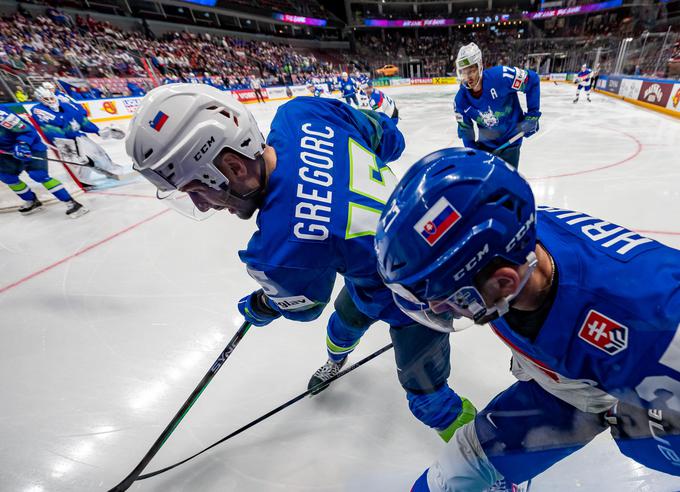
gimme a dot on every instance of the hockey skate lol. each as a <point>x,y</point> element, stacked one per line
<point>575,100</point>
<point>323,374</point>
<point>31,207</point>
<point>75,209</point>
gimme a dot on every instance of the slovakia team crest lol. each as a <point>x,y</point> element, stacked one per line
<point>436,221</point>
<point>604,333</point>
<point>158,121</point>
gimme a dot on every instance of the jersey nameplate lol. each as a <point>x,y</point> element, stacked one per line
<point>314,195</point>
<point>618,242</point>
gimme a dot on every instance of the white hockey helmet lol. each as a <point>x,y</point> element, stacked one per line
<point>180,129</point>
<point>47,97</point>
<point>49,86</point>
<point>584,67</point>
<point>468,55</point>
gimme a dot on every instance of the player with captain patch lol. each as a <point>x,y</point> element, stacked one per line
<point>589,309</point>
<point>489,99</point>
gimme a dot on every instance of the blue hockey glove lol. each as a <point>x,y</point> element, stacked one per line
<point>529,125</point>
<point>22,151</point>
<point>258,309</point>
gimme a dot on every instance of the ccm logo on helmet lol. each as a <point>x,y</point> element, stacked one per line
<point>204,149</point>
<point>520,234</point>
<point>472,263</point>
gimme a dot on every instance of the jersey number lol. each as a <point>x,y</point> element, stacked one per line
<point>368,179</point>
<point>648,388</point>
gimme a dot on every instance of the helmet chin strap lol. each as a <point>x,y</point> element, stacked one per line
<point>502,305</point>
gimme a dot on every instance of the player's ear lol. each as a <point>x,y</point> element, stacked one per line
<point>504,281</point>
<point>232,166</point>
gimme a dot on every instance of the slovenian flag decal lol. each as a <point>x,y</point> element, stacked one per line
<point>159,121</point>
<point>436,221</point>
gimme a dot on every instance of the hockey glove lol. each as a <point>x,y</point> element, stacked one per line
<point>258,309</point>
<point>111,132</point>
<point>529,125</point>
<point>22,151</point>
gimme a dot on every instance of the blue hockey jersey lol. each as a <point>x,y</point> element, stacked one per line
<point>612,332</point>
<point>497,111</point>
<point>348,87</point>
<point>14,129</point>
<point>68,122</point>
<point>322,206</point>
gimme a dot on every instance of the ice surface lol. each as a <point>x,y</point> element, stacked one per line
<point>109,321</point>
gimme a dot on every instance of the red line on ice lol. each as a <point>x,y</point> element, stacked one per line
<point>586,171</point>
<point>82,251</point>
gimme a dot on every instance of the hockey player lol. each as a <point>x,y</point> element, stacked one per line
<point>319,183</point>
<point>379,101</point>
<point>489,98</point>
<point>314,87</point>
<point>590,311</point>
<point>583,80</point>
<point>62,96</point>
<point>348,86</point>
<point>22,150</point>
<point>66,127</point>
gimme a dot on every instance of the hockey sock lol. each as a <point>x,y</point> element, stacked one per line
<point>335,352</point>
<point>52,185</point>
<point>18,187</point>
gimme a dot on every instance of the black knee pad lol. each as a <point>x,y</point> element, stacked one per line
<point>422,356</point>
<point>348,311</point>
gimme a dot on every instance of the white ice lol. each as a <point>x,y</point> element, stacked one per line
<point>108,322</point>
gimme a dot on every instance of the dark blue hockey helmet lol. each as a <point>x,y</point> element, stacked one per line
<point>454,211</point>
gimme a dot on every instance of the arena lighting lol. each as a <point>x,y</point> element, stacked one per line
<point>298,19</point>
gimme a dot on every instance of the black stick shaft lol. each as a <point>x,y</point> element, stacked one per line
<point>127,481</point>
<point>62,161</point>
<point>271,412</point>
<point>49,159</point>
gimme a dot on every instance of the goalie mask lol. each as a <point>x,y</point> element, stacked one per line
<point>179,132</point>
<point>47,97</point>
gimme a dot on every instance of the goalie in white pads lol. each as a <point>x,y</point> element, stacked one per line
<point>66,127</point>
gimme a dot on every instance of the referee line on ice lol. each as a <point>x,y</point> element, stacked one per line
<point>82,251</point>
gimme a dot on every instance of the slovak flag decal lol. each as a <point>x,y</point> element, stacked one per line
<point>436,221</point>
<point>158,122</point>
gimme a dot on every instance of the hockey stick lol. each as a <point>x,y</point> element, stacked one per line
<point>221,359</point>
<point>509,142</point>
<point>70,163</point>
<point>272,412</point>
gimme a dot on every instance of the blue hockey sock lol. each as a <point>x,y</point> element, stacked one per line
<point>17,186</point>
<point>52,185</point>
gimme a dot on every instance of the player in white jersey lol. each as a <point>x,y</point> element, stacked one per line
<point>583,80</point>
<point>379,101</point>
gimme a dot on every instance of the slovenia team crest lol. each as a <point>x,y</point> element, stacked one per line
<point>604,333</point>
